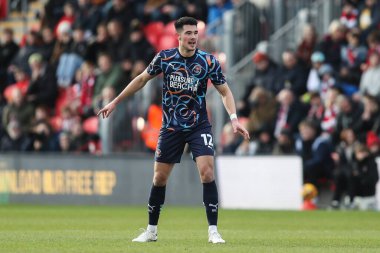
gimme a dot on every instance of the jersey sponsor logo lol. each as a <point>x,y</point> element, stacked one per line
<point>178,82</point>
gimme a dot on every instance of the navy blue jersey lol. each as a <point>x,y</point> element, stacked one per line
<point>185,86</point>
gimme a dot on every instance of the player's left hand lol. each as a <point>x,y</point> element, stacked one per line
<point>238,128</point>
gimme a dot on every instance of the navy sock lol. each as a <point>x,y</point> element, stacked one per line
<point>210,200</point>
<point>156,201</point>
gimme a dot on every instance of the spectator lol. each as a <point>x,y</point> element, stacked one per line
<point>364,176</point>
<point>88,17</point>
<point>329,120</point>
<point>49,41</point>
<point>98,45</point>
<point>332,43</point>
<point>87,85</point>
<point>262,111</point>
<point>110,75</point>
<point>43,137</point>
<point>8,50</point>
<point>349,15</point>
<point>343,158</point>
<point>22,83</point>
<point>14,140</point>
<point>353,56</point>
<point>284,143</point>
<point>369,83</point>
<point>79,45</point>
<point>53,11</point>
<point>33,44</point>
<point>68,18</point>
<point>64,143</point>
<point>42,89</point>
<point>18,110</point>
<point>373,41</point>
<point>292,74</point>
<point>290,112</point>
<point>315,152</point>
<point>63,43</point>
<point>137,49</point>
<point>308,42</point>
<point>116,41</point>
<point>316,109</point>
<point>371,115</point>
<point>265,72</point>
<point>265,141</point>
<point>163,10</point>
<point>123,11</point>
<point>350,115</point>
<point>80,140</point>
<point>326,73</point>
<point>314,78</point>
<point>196,9</point>
<point>369,17</point>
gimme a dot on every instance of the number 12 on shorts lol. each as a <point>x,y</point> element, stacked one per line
<point>207,138</point>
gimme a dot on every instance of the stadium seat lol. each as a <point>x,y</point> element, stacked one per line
<point>90,125</point>
<point>167,41</point>
<point>201,29</point>
<point>170,29</point>
<point>153,32</point>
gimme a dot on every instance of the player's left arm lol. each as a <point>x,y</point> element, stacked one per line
<point>229,103</point>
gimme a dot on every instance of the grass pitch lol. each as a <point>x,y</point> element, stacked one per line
<point>110,229</point>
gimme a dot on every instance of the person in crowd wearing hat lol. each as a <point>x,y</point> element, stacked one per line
<point>265,77</point>
<point>314,79</point>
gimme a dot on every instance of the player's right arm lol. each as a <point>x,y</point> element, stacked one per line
<point>136,84</point>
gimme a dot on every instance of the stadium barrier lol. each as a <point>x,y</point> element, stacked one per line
<point>90,180</point>
<point>258,182</point>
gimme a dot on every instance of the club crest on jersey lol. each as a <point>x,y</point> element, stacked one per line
<point>197,69</point>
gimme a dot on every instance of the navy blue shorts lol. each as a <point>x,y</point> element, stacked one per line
<point>172,143</point>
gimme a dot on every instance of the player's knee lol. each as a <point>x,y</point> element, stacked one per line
<point>207,175</point>
<point>160,179</point>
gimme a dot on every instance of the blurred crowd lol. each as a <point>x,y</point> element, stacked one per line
<point>79,57</point>
<point>322,103</point>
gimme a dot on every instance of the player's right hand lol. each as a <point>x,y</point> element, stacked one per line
<point>238,128</point>
<point>106,110</point>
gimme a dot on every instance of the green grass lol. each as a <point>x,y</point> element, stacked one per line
<point>110,229</point>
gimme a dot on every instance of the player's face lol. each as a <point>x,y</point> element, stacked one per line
<point>188,37</point>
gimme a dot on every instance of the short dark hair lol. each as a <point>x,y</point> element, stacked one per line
<point>179,23</point>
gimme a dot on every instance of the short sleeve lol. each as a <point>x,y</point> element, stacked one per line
<point>154,67</point>
<point>215,73</point>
